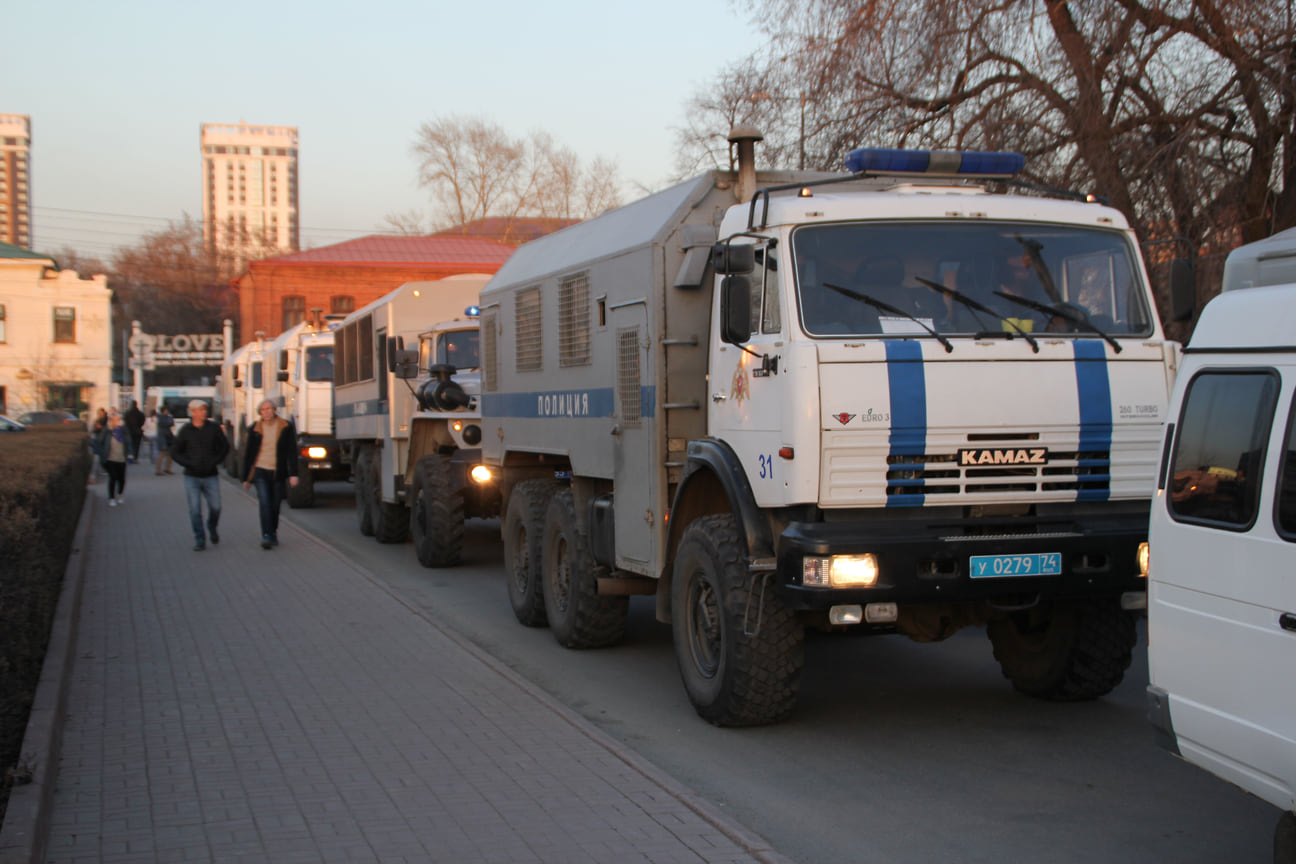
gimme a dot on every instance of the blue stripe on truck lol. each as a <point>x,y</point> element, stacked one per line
<point>1093,388</point>
<point>908,386</point>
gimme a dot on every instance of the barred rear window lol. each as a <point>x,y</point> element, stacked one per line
<point>530,355</point>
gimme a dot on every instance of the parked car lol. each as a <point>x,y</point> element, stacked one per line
<point>10,425</point>
<point>48,418</point>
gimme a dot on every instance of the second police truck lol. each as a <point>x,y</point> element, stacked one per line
<point>410,418</point>
<point>890,400</point>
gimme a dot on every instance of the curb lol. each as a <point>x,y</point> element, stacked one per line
<point>24,836</point>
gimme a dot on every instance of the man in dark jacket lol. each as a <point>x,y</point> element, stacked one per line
<point>270,460</point>
<point>200,448</point>
<point>134,418</point>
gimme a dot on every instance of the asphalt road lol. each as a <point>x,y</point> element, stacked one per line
<point>898,752</point>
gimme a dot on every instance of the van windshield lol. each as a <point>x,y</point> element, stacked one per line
<point>966,279</point>
<point>458,348</point>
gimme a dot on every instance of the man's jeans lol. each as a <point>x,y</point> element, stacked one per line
<point>269,494</point>
<point>197,488</point>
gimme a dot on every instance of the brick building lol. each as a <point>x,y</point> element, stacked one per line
<point>276,293</point>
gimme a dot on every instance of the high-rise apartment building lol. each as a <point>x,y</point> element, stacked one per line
<point>250,188</point>
<point>15,180</point>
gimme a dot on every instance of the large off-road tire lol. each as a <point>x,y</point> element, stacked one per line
<point>740,649</point>
<point>363,497</point>
<point>1065,651</point>
<point>302,495</point>
<point>1284,846</point>
<point>390,520</point>
<point>578,616</point>
<point>523,531</point>
<point>436,513</point>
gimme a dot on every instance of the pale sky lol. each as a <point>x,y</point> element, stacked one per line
<point>117,92</point>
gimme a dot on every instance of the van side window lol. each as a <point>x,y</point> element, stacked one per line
<point>1219,455</point>
<point>1285,494</point>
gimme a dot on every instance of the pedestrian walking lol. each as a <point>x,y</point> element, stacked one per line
<point>150,436</point>
<point>113,447</point>
<point>96,429</point>
<point>165,439</point>
<point>135,427</point>
<point>270,460</point>
<point>200,448</point>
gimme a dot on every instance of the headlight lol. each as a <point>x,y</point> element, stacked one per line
<point>840,571</point>
<point>1144,559</point>
<point>316,452</point>
<point>480,474</point>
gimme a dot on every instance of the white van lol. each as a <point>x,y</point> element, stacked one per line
<point>1222,576</point>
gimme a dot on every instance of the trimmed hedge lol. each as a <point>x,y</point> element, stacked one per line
<point>43,474</point>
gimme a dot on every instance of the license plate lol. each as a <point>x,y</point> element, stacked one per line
<point>1003,566</point>
<point>319,465</point>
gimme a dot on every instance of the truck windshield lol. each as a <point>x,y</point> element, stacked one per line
<point>967,279</point>
<point>458,348</point>
<point>319,363</point>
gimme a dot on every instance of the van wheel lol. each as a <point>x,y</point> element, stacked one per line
<point>1285,839</point>
<point>436,513</point>
<point>523,531</point>
<point>302,495</point>
<point>390,521</point>
<point>1065,651</point>
<point>364,500</point>
<point>578,616</point>
<point>740,649</point>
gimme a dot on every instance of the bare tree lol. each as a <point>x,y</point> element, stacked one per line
<point>1181,112</point>
<point>173,282</point>
<point>475,170</point>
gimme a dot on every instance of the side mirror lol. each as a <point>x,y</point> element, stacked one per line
<point>404,363</point>
<point>1183,289</point>
<point>735,310</point>
<point>283,361</point>
<point>394,345</point>
<point>729,258</point>
<point>281,375</point>
<point>238,383</point>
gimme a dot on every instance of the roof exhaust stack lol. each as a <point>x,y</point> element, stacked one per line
<point>744,137</point>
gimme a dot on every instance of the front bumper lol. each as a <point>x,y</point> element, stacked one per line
<point>922,561</point>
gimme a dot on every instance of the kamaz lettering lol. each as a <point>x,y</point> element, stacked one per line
<point>562,404</point>
<point>1030,456</point>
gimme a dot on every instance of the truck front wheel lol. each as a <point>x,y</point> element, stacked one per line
<point>364,501</point>
<point>740,650</point>
<point>578,616</point>
<point>302,495</point>
<point>436,513</point>
<point>1065,651</point>
<point>524,520</point>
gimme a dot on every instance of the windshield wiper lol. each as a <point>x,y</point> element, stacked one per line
<point>1068,311</point>
<point>892,310</point>
<point>1034,251</point>
<point>977,306</point>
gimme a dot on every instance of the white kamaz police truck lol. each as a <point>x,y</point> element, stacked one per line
<point>303,387</point>
<point>410,415</point>
<point>889,400</point>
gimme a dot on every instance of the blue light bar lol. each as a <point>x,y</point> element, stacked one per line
<point>473,311</point>
<point>973,163</point>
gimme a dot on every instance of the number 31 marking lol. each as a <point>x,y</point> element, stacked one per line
<point>766,467</point>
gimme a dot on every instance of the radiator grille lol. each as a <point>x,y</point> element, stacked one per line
<point>574,321</point>
<point>530,332</point>
<point>941,474</point>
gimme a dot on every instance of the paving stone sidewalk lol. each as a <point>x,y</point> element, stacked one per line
<point>243,705</point>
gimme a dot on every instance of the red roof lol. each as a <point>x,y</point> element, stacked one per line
<point>392,249</point>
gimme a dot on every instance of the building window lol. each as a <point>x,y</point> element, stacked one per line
<point>64,324</point>
<point>294,310</point>
<point>342,304</point>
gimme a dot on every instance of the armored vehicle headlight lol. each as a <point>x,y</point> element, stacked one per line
<point>840,571</point>
<point>481,474</point>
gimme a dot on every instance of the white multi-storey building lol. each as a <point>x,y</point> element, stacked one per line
<point>250,188</point>
<point>15,180</point>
